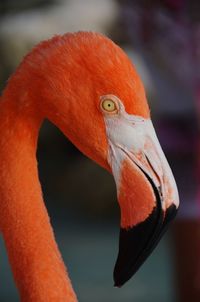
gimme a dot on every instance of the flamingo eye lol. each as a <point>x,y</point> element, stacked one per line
<point>109,105</point>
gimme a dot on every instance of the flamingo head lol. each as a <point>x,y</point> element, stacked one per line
<point>89,88</point>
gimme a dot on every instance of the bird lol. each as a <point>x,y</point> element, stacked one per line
<point>87,86</point>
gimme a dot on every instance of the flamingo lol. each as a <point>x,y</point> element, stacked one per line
<point>87,86</point>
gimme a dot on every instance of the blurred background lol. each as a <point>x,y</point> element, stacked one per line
<point>163,40</point>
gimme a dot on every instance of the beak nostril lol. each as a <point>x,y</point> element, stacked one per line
<point>160,192</point>
<point>153,170</point>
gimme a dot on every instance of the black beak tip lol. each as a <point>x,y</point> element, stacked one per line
<point>117,285</point>
<point>137,243</point>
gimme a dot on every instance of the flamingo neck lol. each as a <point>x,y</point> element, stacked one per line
<point>36,263</point>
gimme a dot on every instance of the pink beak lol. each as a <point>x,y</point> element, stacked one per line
<point>146,189</point>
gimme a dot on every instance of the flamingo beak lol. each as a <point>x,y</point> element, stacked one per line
<point>146,189</point>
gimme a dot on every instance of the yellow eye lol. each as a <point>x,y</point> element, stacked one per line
<point>109,106</point>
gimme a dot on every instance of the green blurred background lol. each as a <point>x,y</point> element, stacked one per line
<point>163,40</point>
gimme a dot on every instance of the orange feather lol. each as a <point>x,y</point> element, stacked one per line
<point>62,80</point>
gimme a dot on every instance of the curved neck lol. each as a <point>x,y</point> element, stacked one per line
<point>36,263</point>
